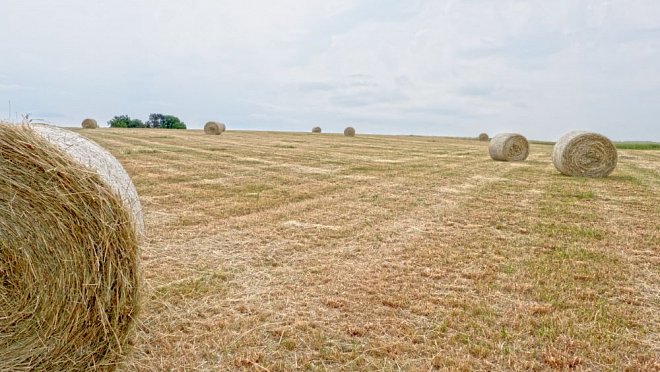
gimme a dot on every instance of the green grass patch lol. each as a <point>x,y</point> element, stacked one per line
<point>578,254</point>
<point>581,195</point>
<point>140,151</point>
<point>252,189</point>
<point>368,169</point>
<point>637,146</point>
<point>195,288</point>
<point>571,232</point>
<point>543,143</point>
<point>626,178</point>
<point>161,137</point>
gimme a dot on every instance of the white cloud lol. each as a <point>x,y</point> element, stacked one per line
<point>437,67</point>
<point>11,87</point>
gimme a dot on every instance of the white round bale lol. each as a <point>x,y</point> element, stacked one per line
<point>585,154</point>
<point>214,127</point>
<point>508,147</point>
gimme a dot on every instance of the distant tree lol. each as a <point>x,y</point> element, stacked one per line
<point>121,121</point>
<point>165,121</point>
<point>136,123</point>
<point>155,120</point>
<point>172,122</point>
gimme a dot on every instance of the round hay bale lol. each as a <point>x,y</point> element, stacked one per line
<point>89,124</point>
<point>483,137</point>
<point>508,147</point>
<point>316,130</point>
<point>349,132</point>
<point>584,154</point>
<point>69,258</point>
<point>214,127</point>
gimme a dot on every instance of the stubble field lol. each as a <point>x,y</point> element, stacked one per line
<point>284,251</point>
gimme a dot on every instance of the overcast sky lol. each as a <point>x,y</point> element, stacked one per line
<point>456,68</point>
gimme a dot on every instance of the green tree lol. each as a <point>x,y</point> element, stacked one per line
<point>155,120</point>
<point>136,123</point>
<point>121,121</point>
<point>172,122</point>
<point>125,121</point>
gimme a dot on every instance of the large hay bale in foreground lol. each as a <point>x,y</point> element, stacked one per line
<point>214,127</point>
<point>316,130</point>
<point>483,137</point>
<point>69,282</point>
<point>89,124</point>
<point>349,132</point>
<point>585,154</point>
<point>508,147</point>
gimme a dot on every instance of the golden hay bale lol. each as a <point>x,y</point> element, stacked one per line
<point>316,130</point>
<point>349,132</point>
<point>214,127</point>
<point>69,280</point>
<point>508,147</point>
<point>483,137</point>
<point>584,154</point>
<point>89,124</point>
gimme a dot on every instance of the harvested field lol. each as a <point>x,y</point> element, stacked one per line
<point>282,251</point>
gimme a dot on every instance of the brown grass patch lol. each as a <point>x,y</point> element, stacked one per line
<point>410,276</point>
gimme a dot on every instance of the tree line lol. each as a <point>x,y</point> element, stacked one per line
<point>154,121</point>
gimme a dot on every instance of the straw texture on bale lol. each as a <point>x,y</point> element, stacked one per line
<point>483,137</point>
<point>99,160</point>
<point>214,127</point>
<point>69,270</point>
<point>349,132</point>
<point>584,154</point>
<point>508,147</point>
<point>89,124</point>
<point>316,130</point>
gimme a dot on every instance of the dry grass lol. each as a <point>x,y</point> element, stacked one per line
<point>292,251</point>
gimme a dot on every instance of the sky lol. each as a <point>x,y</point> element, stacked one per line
<point>427,67</point>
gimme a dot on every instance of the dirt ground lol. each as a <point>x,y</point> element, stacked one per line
<point>293,251</point>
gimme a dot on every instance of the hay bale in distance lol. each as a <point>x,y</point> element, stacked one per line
<point>316,130</point>
<point>69,282</point>
<point>349,132</point>
<point>214,127</point>
<point>508,147</point>
<point>89,124</point>
<point>483,137</point>
<point>585,154</point>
